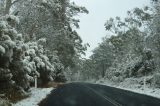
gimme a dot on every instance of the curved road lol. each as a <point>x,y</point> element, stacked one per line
<point>84,94</point>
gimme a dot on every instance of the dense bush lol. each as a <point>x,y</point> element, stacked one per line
<point>21,61</point>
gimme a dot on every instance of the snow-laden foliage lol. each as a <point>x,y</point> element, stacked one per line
<point>21,61</point>
<point>131,51</point>
<point>7,43</point>
<point>4,102</point>
<point>37,63</point>
<point>54,20</point>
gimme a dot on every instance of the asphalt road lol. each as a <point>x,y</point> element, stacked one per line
<point>84,94</point>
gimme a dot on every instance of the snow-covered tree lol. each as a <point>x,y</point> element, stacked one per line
<point>21,61</point>
<point>53,19</point>
<point>8,37</point>
<point>126,52</point>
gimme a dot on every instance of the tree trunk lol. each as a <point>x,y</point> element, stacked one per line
<point>8,6</point>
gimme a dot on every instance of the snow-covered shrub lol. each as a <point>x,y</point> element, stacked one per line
<point>130,83</point>
<point>37,62</point>
<point>110,72</point>
<point>12,20</point>
<point>116,79</point>
<point>156,80</point>
<point>131,66</point>
<point>2,50</point>
<point>7,43</point>
<point>13,75</point>
<point>136,66</point>
<point>59,68</point>
<point>4,102</point>
<point>5,80</point>
<point>21,61</point>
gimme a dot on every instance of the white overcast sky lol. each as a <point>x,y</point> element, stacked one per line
<point>92,25</point>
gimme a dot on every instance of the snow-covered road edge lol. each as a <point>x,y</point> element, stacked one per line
<point>37,94</point>
<point>154,92</point>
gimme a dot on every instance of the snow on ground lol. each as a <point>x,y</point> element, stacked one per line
<point>37,94</point>
<point>155,92</point>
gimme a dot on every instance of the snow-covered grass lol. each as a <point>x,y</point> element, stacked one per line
<point>154,92</point>
<point>37,94</point>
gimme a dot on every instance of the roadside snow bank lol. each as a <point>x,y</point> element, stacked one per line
<point>37,94</point>
<point>132,86</point>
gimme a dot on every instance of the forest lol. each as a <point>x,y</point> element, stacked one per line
<point>38,38</point>
<point>130,50</point>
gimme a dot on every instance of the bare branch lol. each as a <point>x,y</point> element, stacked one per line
<point>15,1</point>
